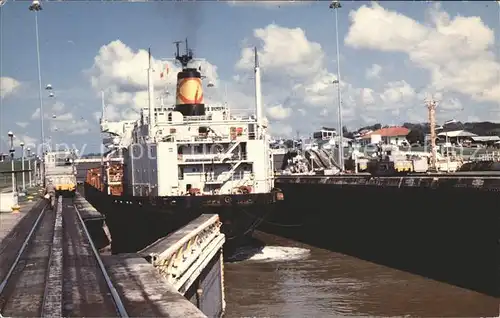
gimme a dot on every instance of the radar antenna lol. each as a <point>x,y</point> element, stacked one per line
<point>185,58</point>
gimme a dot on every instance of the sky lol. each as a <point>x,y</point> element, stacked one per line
<point>393,55</point>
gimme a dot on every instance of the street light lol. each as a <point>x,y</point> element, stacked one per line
<point>22,165</point>
<point>29,167</point>
<point>51,129</point>
<point>12,150</point>
<point>335,5</point>
<point>35,6</point>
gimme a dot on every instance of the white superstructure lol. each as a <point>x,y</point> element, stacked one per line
<point>194,147</point>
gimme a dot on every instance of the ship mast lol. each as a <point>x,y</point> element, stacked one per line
<point>431,109</point>
<point>151,98</point>
<point>258,94</point>
<point>103,108</point>
<point>185,58</point>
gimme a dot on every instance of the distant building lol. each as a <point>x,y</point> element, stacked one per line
<point>325,133</point>
<point>3,157</point>
<point>489,141</point>
<point>455,135</point>
<point>388,136</point>
<point>466,138</point>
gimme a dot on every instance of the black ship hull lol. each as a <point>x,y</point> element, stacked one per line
<point>137,221</point>
<point>444,229</point>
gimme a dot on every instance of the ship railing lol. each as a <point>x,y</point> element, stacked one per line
<point>229,174</point>
<point>181,257</point>
<point>229,151</point>
<point>212,158</point>
<point>214,139</point>
<point>225,119</point>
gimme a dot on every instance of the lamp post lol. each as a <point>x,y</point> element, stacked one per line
<point>335,5</point>
<point>52,128</point>
<point>11,137</point>
<point>35,6</point>
<point>22,165</point>
<point>29,167</point>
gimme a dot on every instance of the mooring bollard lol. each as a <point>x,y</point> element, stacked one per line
<point>16,208</point>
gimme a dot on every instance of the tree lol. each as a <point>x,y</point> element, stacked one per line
<point>346,133</point>
<point>415,136</point>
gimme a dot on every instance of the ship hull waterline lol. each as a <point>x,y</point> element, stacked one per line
<point>448,233</point>
<point>136,222</point>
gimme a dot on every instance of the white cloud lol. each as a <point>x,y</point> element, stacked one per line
<point>457,51</point>
<point>303,60</point>
<point>36,114</point>
<point>8,86</point>
<point>58,107</point>
<point>68,123</point>
<point>367,97</point>
<point>29,142</point>
<point>22,124</point>
<point>278,112</point>
<point>451,104</point>
<point>397,92</point>
<point>281,130</point>
<point>61,120</point>
<point>373,71</point>
<point>297,80</point>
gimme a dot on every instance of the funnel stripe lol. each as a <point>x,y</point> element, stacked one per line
<point>184,100</point>
<point>189,91</point>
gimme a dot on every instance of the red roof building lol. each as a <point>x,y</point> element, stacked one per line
<point>389,135</point>
<point>389,132</point>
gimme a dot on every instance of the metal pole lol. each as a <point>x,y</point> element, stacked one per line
<point>29,174</point>
<point>42,132</point>
<point>13,173</point>
<point>335,5</point>
<point>35,170</point>
<point>12,162</point>
<point>22,167</point>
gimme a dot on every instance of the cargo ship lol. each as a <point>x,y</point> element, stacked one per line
<point>178,162</point>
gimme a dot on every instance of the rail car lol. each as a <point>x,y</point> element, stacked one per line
<point>60,171</point>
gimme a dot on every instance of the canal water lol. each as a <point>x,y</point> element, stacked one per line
<point>290,279</point>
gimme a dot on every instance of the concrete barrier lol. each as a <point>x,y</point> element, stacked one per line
<point>8,201</point>
<point>190,260</point>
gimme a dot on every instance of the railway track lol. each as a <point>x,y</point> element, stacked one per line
<point>58,271</point>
